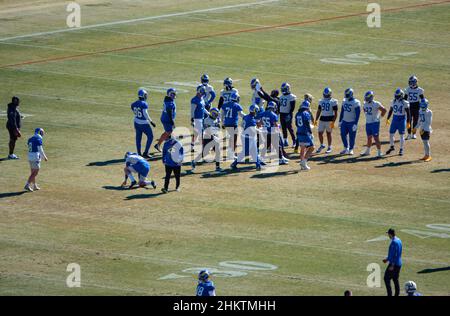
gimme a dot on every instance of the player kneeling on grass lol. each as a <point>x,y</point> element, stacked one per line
<point>411,289</point>
<point>372,110</point>
<point>305,139</point>
<point>35,155</point>
<point>205,286</point>
<point>424,126</point>
<point>400,121</point>
<point>173,155</point>
<point>137,164</point>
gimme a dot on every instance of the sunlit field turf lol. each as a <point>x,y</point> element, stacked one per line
<point>315,232</point>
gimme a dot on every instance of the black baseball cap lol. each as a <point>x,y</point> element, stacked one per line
<point>391,231</point>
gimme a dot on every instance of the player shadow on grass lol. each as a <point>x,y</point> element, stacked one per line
<point>264,175</point>
<point>116,161</point>
<point>398,164</point>
<point>143,196</point>
<point>434,270</point>
<point>227,172</point>
<point>11,194</point>
<point>115,188</point>
<point>440,170</point>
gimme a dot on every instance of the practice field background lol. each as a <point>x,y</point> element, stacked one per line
<point>314,227</point>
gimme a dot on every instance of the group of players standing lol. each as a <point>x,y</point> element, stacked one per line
<point>266,129</point>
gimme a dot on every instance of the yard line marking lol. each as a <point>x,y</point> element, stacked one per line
<point>148,18</point>
<point>242,31</point>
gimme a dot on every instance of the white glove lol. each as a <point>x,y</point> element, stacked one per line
<point>355,128</point>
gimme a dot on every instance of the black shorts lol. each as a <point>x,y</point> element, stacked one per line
<point>425,135</point>
<point>12,134</point>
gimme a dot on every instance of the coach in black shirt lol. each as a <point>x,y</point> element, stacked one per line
<point>13,125</point>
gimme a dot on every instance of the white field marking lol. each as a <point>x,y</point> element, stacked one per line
<point>4,114</point>
<point>131,21</point>
<point>380,238</point>
<point>444,227</point>
<point>248,265</point>
<point>217,272</point>
<point>425,234</point>
<point>313,279</point>
<point>83,284</point>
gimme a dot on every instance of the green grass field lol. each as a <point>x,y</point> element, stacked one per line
<point>313,229</point>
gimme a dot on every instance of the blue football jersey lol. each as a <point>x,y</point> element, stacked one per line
<point>138,108</point>
<point>231,113</point>
<point>303,123</point>
<point>199,107</point>
<point>268,119</point>
<point>205,289</point>
<point>34,143</point>
<point>168,106</point>
<point>248,121</point>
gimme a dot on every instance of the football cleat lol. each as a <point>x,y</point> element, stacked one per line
<point>366,152</point>
<point>283,161</point>
<point>329,150</point>
<point>13,157</point>
<point>390,150</point>
<point>400,153</point>
<point>345,152</point>
<point>153,184</point>
<point>28,188</point>
<point>322,147</point>
<point>351,153</point>
<point>157,147</point>
<point>133,183</point>
<point>379,154</point>
<point>427,159</point>
<point>164,190</point>
<point>142,94</point>
<point>36,187</point>
<point>285,88</point>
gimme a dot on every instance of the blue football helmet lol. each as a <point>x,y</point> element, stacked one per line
<point>214,112</point>
<point>253,108</point>
<point>39,131</point>
<point>228,83</point>
<point>172,93</point>
<point>413,82</point>
<point>349,93</point>
<point>327,93</point>
<point>201,90</point>
<point>128,153</point>
<point>272,106</point>
<point>142,94</point>
<point>399,94</point>
<point>203,275</point>
<point>204,79</point>
<point>424,104</point>
<point>285,88</point>
<point>305,105</point>
<point>254,82</point>
<point>369,96</point>
<point>235,97</point>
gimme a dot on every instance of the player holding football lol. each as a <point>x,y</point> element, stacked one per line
<point>205,286</point>
<point>305,139</point>
<point>168,115</point>
<point>413,94</point>
<point>134,163</point>
<point>227,91</point>
<point>142,122</point>
<point>287,107</point>
<point>210,94</point>
<point>348,121</point>
<point>326,115</point>
<point>400,121</point>
<point>35,155</point>
<point>424,127</point>
<point>373,109</point>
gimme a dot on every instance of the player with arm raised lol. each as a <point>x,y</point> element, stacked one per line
<point>227,91</point>
<point>287,107</point>
<point>413,94</point>
<point>400,121</point>
<point>168,116</point>
<point>142,122</point>
<point>373,110</point>
<point>327,114</point>
<point>424,127</point>
<point>348,121</point>
<point>210,94</point>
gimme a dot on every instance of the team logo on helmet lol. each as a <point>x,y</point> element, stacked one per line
<point>235,97</point>
<point>204,79</point>
<point>308,97</point>
<point>201,90</point>
<point>253,108</point>
<point>413,82</point>
<point>142,94</point>
<point>214,112</point>
<point>327,93</point>
<point>203,275</point>
<point>254,82</point>
<point>172,93</point>
<point>348,93</point>
<point>285,88</point>
<point>39,131</point>
<point>271,106</point>
<point>228,83</point>
<point>399,94</point>
<point>305,105</point>
<point>424,104</point>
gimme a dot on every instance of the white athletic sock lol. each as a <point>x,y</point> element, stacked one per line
<point>402,141</point>
<point>426,146</point>
<point>391,139</point>
<point>131,177</point>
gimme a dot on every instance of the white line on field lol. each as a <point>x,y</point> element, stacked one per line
<point>148,18</point>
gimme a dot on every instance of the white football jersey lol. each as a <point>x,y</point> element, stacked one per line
<point>226,94</point>
<point>414,94</point>
<point>256,99</point>
<point>349,108</point>
<point>399,107</point>
<point>425,120</point>
<point>211,127</point>
<point>372,111</point>
<point>285,103</point>
<point>209,88</point>
<point>327,107</point>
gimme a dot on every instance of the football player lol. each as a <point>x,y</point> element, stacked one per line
<point>210,94</point>
<point>35,155</point>
<point>348,121</point>
<point>198,113</point>
<point>373,110</point>
<point>413,94</point>
<point>326,115</point>
<point>205,286</point>
<point>400,121</point>
<point>305,139</point>
<point>211,135</point>
<point>230,113</point>
<point>168,115</point>
<point>287,107</point>
<point>249,123</point>
<point>259,95</point>
<point>424,127</point>
<point>411,289</point>
<point>136,164</point>
<point>227,91</point>
<point>142,122</point>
